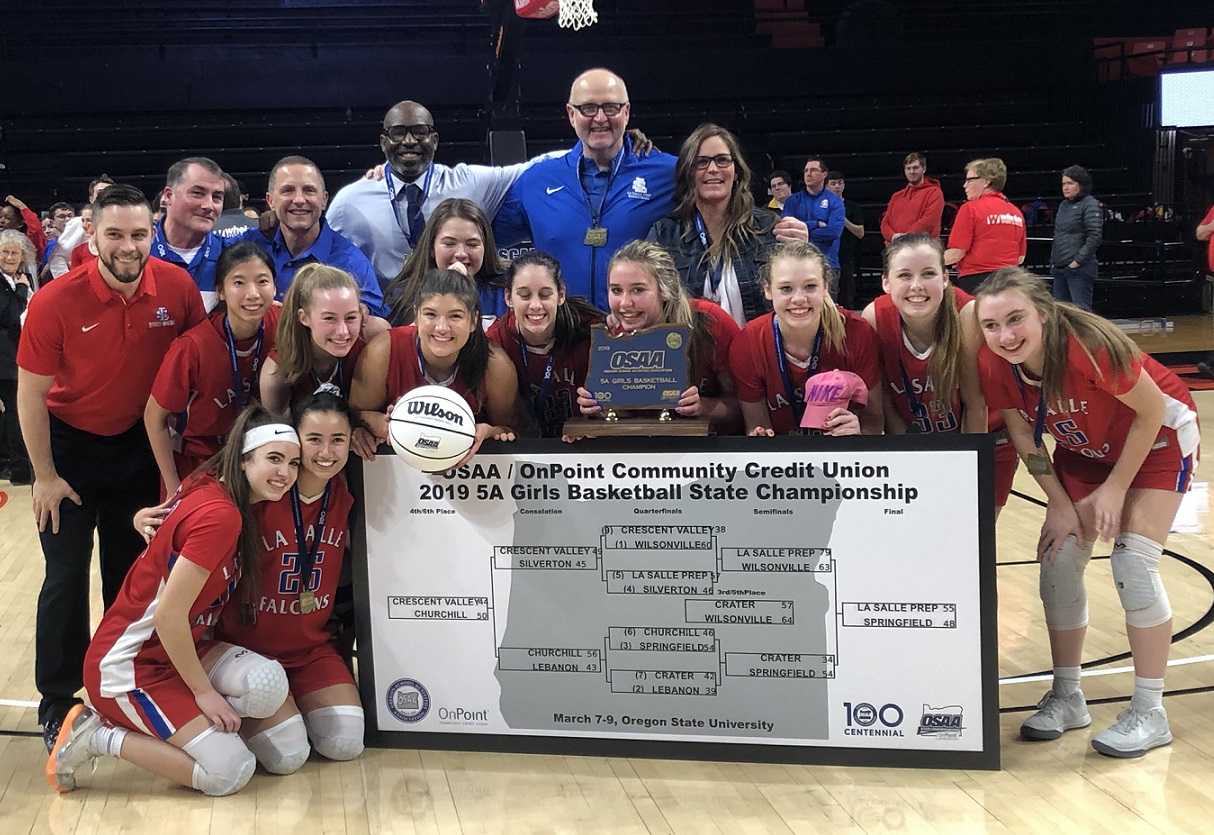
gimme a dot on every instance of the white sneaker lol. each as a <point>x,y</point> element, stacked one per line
<point>1134,733</point>
<point>1055,715</point>
<point>72,750</point>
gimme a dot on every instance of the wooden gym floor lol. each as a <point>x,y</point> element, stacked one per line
<point>1048,787</point>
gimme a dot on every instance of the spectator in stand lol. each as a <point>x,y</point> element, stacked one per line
<point>18,266</point>
<point>385,217</point>
<point>16,215</point>
<point>717,236</point>
<point>74,233</point>
<point>916,208</point>
<point>779,186</point>
<point>988,233</point>
<point>822,211</point>
<point>1078,232</point>
<point>58,215</point>
<point>849,243</point>
<point>233,222</point>
<point>297,197</point>
<point>583,206</point>
<point>1205,232</point>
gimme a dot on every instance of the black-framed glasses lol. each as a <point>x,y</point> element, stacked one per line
<point>971,179</point>
<point>720,160</point>
<point>398,133</point>
<point>591,109</point>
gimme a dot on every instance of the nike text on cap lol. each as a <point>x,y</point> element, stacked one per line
<point>828,391</point>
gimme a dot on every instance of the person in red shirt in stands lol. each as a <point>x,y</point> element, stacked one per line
<point>916,208</point>
<point>92,342</point>
<point>1205,232</point>
<point>16,215</point>
<point>988,233</point>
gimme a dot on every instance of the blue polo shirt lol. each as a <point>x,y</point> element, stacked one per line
<point>823,213</point>
<point>331,248</point>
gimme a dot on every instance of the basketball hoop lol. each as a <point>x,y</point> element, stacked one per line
<point>577,14</point>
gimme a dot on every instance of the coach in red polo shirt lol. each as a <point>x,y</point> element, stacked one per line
<point>90,348</point>
<point>988,233</point>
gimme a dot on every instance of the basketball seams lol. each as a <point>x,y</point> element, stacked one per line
<point>444,428</point>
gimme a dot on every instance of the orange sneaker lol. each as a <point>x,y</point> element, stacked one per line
<point>71,749</point>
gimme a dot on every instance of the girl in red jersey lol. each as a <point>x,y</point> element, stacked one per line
<point>1127,440</point>
<point>319,338</point>
<point>547,337</point>
<point>445,346</point>
<point>166,697</point>
<point>644,289</point>
<point>805,334</point>
<point>304,537</point>
<point>211,371</point>
<point>928,336</point>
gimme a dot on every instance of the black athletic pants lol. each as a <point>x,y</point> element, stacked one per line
<point>969,283</point>
<point>12,453</point>
<point>114,476</point>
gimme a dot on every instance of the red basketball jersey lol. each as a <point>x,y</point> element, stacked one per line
<point>1088,419</point>
<point>554,401</point>
<point>196,378</point>
<point>907,375</point>
<point>281,629</point>
<point>202,527</point>
<point>707,371</point>
<point>405,372</point>
<point>342,375</point>
<point>756,370</point>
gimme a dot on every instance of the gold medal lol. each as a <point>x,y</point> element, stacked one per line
<point>596,236</point>
<point>307,602</point>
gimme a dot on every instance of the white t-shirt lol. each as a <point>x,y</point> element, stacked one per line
<point>61,256</point>
<point>728,295</point>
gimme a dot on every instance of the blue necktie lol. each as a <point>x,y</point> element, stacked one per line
<point>413,213</point>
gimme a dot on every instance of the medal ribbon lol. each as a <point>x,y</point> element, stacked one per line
<point>714,270</point>
<point>307,556</point>
<point>814,359</point>
<point>242,396</point>
<point>545,391</point>
<point>1039,423</point>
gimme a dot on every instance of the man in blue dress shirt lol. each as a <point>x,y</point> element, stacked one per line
<point>384,217</point>
<point>296,194</point>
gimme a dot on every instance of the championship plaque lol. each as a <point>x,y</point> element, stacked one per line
<point>638,378</point>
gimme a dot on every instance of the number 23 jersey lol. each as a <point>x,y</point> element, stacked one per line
<point>1088,419</point>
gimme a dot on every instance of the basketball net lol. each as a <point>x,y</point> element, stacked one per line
<point>577,14</point>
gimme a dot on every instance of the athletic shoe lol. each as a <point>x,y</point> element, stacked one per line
<point>50,732</point>
<point>1134,733</point>
<point>1056,715</point>
<point>72,750</point>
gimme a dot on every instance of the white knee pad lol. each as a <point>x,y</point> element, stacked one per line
<point>337,731</point>
<point>1135,562</point>
<point>282,749</point>
<point>254,685</point>
<point>1062,591</point>
<point>222,762</point>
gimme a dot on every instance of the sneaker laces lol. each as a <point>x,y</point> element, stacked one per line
<point>1050,704</point>
<point>1129,720</point>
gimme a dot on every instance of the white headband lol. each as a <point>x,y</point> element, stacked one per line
<point>268,434</point>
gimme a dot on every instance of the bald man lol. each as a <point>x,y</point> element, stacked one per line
<point>584,206</point>
<point>384,217</point>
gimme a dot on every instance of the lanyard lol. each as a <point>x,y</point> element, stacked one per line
<point>411,234</point>
<point>596,215</point>
<point>714,271</point>
<point>917,408</point>
<point>421,366</point>
<point>1039,423</point>
<point>538,400</point>
<point>814,358</point>
<point>307,556</point>
<point>242,396</point>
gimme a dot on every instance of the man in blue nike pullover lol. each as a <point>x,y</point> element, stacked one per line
<point>584,206</point>
<point>822,211</point>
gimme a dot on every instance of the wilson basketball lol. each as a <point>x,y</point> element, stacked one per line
<point>432,428</point>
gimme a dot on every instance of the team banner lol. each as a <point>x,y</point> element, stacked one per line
<point>814,600</point>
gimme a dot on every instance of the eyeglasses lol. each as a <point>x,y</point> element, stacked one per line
<point>971,179</point>
<point>397,133</point>
<point>720,160</point>
<point>591,109</point>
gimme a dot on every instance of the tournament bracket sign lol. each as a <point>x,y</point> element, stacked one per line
<point>817,600</point>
